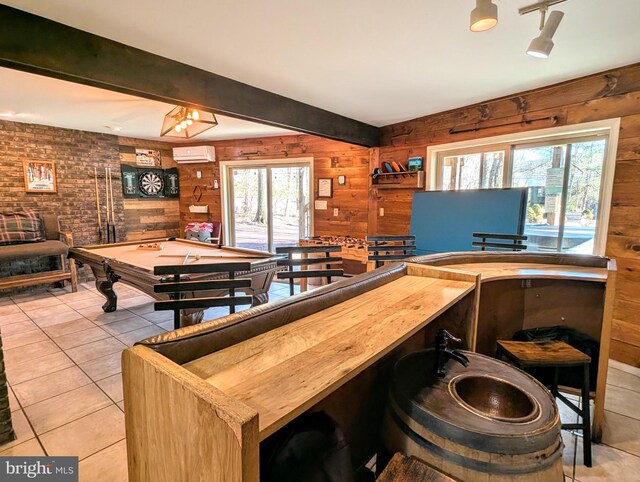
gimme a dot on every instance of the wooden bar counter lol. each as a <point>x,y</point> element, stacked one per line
<point>530,290</point>
<point>200,400</point>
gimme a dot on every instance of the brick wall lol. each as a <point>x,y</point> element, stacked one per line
<point>76,154</point>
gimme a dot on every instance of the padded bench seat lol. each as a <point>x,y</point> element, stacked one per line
<point>14,252</point>
<point>56,244</point>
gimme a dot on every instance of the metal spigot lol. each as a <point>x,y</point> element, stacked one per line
<point>443,353</point>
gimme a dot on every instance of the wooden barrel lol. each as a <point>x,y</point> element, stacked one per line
<point>487,422</point>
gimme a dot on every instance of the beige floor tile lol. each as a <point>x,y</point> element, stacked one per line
<point>58,319</point>
<point>30,352</point>
<point>130,324</point>
<point>137,335</point>
<point>12,318</point>
<point>68,327</point>
<point>112,386</point>
<point>84,337</point>
<point>9,309</point>
<point>158,316</point>
<point>45,311</point>
<point>623,379</point>
<point>121,405</point>
<point>609,464</point>
<point>21,428</point>
<point>95,349</point>
<point>31,294</point>
<point>59,382</point>
<point>134,301</point>
<point>29,448</point>
<point>37,367</point>
<point>99,317</point>
<point>622,401</point>
<point>67,407</point>
<point>13,401</point>
<point>18,327</point>
<point>166,325</point>
<point>21,339</point>
<point>143,308</point>
<point>86,303</point>
<point>103,367</point>
<point>108,465</point>
<point>87,435</point>
<point>568,454</point>
<point>44,302</point>
<point>78,296</point>
<point>621,432</point>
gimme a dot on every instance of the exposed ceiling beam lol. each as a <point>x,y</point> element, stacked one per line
<point>41,46</point>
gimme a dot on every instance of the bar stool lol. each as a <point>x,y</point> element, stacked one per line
<point>556,355</point>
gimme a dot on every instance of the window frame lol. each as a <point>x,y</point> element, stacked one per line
<point>607,129</point>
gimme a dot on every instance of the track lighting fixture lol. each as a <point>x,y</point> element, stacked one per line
<point>541,46</point>
<point>484,16</point>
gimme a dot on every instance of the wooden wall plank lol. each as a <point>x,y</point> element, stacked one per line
<point>331,159</point>
<point>605,95</point>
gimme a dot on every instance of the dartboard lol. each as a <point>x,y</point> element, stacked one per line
<point>151,184</point>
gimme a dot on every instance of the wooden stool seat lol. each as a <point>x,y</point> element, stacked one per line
<point>542,353</point>
<point>556,355</point>
<point>410,469</point>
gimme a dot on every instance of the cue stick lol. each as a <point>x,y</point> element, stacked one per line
<point>186,257</point>
<point>106,195</point>
<point>95,178</point>
<point>113,211</point>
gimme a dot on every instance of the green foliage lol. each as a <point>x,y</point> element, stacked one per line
<point>588,214</point>
<point>534,213</point>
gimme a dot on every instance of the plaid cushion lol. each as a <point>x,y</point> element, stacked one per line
<point>20,227</point>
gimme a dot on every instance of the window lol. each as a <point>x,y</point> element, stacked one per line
<point>563,177</point>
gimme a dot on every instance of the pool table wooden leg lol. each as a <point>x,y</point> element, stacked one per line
<point>104,284</point>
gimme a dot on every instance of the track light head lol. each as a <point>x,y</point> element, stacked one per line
<point>541,46</point>
<point>484,16</point>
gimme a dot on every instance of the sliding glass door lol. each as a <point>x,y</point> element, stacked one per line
<point>268,205</point>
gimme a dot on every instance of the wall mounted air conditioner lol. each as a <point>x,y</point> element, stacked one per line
<point>184,155</point>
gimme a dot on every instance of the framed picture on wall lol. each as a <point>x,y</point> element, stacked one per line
<point>325,187</point>
<point>39,176</point>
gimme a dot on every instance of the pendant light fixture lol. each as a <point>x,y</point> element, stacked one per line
<point>186,122</point>
<point>540,47</point>
<point>484,16</point>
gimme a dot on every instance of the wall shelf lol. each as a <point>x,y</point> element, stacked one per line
<point>399,180</point>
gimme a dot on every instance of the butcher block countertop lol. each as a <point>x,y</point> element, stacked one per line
<point>286,371</point>
<point>498,271</point>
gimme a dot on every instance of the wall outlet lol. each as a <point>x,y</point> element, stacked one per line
<point>381,212</point>
<point>335,211</point>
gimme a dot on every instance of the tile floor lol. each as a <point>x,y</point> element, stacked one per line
<point>62,356</point>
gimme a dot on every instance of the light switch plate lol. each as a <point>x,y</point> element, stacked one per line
<point>335,211</point>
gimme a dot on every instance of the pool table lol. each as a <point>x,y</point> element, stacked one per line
<point>128,263</point>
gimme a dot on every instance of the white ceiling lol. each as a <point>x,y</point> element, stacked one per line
<point>44,100</point>
<point>377,61</point>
